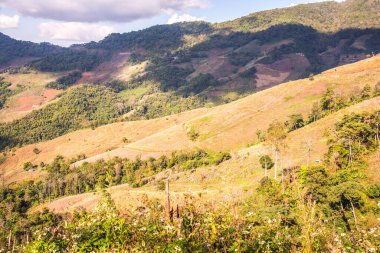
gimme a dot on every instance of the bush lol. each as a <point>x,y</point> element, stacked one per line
<point>192,134</point>
<point>161,185</point>
<point>296,121</point>
<point>36,151</point>
<point>373,191</point>
<point>5,93</point>
<point>29,166</point>
<point>266,162</point>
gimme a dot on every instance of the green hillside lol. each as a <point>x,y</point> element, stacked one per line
<point>327,16</point>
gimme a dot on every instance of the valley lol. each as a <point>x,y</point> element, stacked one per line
<point>258,134</point>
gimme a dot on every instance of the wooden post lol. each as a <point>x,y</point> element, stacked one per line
<point>178,212</point>
<point>167,190</point>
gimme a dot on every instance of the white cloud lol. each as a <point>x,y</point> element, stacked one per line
<point>176,18</point>
<point>74,31</point>
<point>100,10</point>
<point>9,21</point>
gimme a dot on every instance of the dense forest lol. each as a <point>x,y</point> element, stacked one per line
<point>64,82</point>
<point>11,49</point>
<point>77,108</point>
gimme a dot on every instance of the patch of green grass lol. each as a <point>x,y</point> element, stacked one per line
<point>136,92</point>
<point>286,99</point>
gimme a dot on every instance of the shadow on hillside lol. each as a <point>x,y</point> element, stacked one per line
<point>323,51</point>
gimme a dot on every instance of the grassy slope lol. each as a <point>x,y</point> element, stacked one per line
<point>239,176</point>
<point>227,127</point>
<point>233,179</point>
<point>233,126</point>
<point>87,141</point>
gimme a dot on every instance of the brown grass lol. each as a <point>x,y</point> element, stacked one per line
<point>89,142</point>
<point>227,127</point>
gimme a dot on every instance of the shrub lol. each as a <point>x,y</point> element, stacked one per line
<point>29,166</point>
<point>36,151</point>
<point>192,134</point>
<point>296,121</point>
<point>266,162</point>
<point>373,191</point>
<point>161,185</point>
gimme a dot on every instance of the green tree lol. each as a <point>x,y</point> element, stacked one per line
<point>296,121</point>
<point>376,91</point>
<point>266,163</point>
<point>328,102</point>
<point>29,166</point>
<point>366,92</point>
<point>316,113</point>
<point>276,136</point>
<point>261,136</point>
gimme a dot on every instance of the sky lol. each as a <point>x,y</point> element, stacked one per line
<point>65,22</point>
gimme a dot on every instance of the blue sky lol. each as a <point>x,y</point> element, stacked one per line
<point>65,22</point>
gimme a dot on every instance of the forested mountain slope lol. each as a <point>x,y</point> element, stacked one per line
<point>218,63</point>
<point>227,127</point>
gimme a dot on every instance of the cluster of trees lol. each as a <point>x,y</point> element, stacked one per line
<point>198,84</point>
<point>156,39</point>
<point>355,136</point>
<point>62,180</point>
<point>250,73</point>
<point>168,77</point>
<point>313,211</point>
<point>163,104</point>
<point>71,59</point>
<point>331,102</point>
<point>5,93</point>
<point>64,82</point>
<point>77,108</point>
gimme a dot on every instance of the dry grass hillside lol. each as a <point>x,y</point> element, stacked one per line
<point>228,127</point>
<point>33,94</point>
<point>233,126</point>
<point>89,142</point>
<point>231,180</point>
